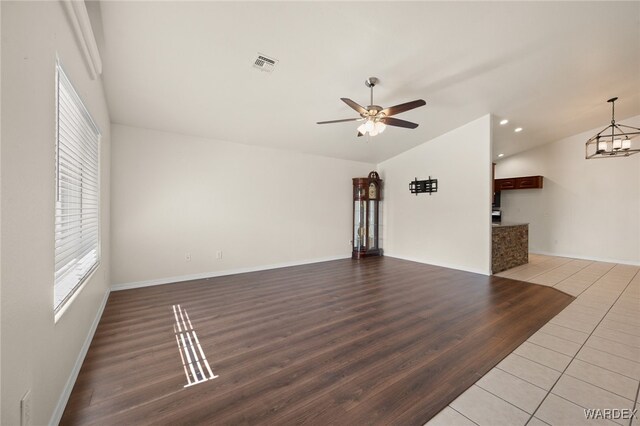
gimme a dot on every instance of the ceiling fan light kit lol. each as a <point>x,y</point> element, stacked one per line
<point>615,140</point>
<point>372,127</point>
<point>376,119</point>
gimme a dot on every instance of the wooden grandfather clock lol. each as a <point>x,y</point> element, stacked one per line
<point>367,193</point>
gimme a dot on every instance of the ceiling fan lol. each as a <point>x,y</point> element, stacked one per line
<point>375,118</point>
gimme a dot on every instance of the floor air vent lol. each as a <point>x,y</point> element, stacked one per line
<point>264,63</point>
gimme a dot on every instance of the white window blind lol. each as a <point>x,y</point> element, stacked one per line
<point>77,230</point>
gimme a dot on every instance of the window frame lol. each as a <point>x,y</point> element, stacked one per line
<point>60,307</point>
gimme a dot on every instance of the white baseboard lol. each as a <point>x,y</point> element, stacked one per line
<point>200,276</point>
<point>596,259</point>
<point>443,265</point>
<point>68,387</point>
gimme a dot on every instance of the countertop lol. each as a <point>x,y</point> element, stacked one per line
<point>507,224</point>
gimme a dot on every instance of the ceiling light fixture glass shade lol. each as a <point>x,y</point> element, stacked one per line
<point>372,127</point>
<point>615,140</point>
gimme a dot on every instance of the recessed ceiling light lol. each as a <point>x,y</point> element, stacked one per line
<point>503,122</point>
<point>500,155</point>
<point>518,129</point>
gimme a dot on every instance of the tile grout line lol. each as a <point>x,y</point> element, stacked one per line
<point>560,337</point>
<point>557,337</point>
<point>552,269</point>
<point>528,264</point>
<point>539,362</point>
<point>616,341</point>
<point>574,357</point>
<point>614,329</point>
<point>596,386</point>
<point>625,315</point>
<point>610,352</point>
<point>501,398</point>
<point>498,396</point>
<point>524,380</point>
<point>609,370</point>
<point>533,360</point>
<point>582,346</point>
<point>578,405</point>
<point>590,347</point>
<point>544,272</point>
<point>555,286</point>
<point>619,322</point>
<point>549,349</point>
<point>572,329</point>
<point>589,286</point>
<point>460,414</point>
<point>576,272</point>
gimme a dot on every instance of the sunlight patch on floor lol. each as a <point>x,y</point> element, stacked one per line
<point>195,364</point>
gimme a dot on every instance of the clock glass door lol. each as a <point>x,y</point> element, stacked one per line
<point>372,233</point>
<point>359,222</point>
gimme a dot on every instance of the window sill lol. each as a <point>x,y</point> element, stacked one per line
<point>65,305</point>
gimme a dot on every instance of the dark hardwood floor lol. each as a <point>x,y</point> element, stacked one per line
<point>375,341</point>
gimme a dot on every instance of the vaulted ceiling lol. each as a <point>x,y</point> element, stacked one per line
<point>549,67</point>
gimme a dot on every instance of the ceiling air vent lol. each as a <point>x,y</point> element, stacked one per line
<point>264,63</point>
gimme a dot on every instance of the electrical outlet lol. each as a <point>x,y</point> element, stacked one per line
<point>187,257</point>
<point>219,255</point>
<point>25,409</point>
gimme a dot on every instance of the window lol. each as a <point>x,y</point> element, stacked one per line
<point>77,225</point>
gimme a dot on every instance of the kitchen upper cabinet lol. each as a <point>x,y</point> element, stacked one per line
<point>502,184</point>
<point>529,182</point>
<point>525,182</point>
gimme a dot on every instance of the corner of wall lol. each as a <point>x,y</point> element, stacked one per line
<point>451,228</point>
<point>289,225</point>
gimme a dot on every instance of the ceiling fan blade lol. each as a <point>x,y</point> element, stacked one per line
<point>390,121</point>
<point>402,107</point>
<point>340,121</point>
<point>359,108</point>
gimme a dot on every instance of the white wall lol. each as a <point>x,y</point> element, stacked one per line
<point>587,208</point>
<point>174,194</point>
<point>451,228</point>
<point>37,353</point>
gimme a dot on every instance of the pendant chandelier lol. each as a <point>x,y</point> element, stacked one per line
<point>615,140</point>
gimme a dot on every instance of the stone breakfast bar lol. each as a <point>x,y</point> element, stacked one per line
<point>510,245</point>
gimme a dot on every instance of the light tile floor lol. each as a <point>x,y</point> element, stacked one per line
<point>586,357</point>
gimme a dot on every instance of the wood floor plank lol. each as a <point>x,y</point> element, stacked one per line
<point>374,341</point>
